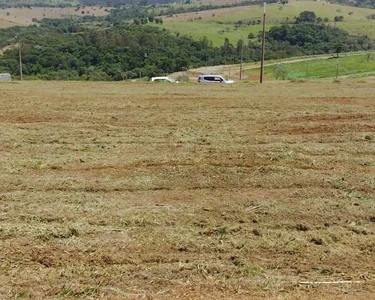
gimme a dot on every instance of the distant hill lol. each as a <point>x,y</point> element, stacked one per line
<point>124,2</point>
<point>359,3</point>
<point>46,3</point>
<point>237,23</point>
<point>7,3</point>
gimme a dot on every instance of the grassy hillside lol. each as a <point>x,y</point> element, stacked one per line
<point>347,65</point>
<point>220,23</point>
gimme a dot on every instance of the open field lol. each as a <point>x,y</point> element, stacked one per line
<point>205,23</point>
<point>47,2</point>
<point>187,191</point>
<point>25,16</point>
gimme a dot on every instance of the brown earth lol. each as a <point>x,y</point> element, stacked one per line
<point>25,16</point>
<point>187,191</point>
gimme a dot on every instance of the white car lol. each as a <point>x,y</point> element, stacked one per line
<point>163,79</point>
<point>213,79</point>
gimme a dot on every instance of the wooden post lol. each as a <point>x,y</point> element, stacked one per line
<point>241,62</point>
<point>20,59</point>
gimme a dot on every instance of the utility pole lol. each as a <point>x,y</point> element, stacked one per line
<point>263,43</point>
<point>20,59</point>
<point>241,62</point>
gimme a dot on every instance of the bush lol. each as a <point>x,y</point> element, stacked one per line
<point>339,18</point>
<point>279,72</point>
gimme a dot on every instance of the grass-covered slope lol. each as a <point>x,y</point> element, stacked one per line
<point>220,23</point>
<point>359,64</point>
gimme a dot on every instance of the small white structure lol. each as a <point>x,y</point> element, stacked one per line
<point>5,77</point>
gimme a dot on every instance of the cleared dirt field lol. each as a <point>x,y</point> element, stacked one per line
<point>156,191</point>
<point>25,16</point>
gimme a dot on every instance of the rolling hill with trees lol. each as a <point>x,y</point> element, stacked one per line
<point>51,3</point>
<point>237,22</point>
<point>135,42</point>
<point>359,3</point>
<point>66,49</point>
<point>116,53</point>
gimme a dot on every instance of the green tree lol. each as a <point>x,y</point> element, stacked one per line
<point>306,17</point>
<point>239,47</point>
<point>338,49</point>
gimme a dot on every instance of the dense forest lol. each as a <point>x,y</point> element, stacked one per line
<point>69,50</point>
<point>115,53</point>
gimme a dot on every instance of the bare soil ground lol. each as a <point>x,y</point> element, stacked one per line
<point>24,16</point>
<point>187,191</point>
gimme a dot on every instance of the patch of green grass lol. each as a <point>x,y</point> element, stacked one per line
<point>345,65</point>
